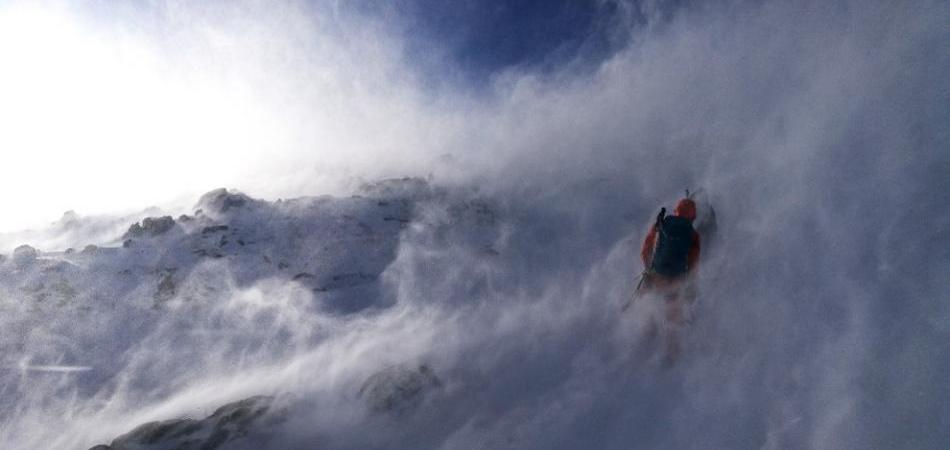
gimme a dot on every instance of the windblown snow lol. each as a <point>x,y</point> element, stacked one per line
<point>470,297</point>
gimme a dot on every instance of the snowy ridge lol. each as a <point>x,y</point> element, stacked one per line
<point>323,243</point>
<point>414,315</point>
<point>402,309</point>
<point>173,282</point>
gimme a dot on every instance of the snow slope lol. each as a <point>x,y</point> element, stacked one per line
<point>419,316</point>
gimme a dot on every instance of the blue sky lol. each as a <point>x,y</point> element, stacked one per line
<point>481,38</point>
<point>468,43</point>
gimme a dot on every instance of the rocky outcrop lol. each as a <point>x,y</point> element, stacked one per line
<point>228,423</point>
<point>397,188</point>
<point>150,227</point>
<point>24,255</point>
<point>221,200</point>
<point>399,389</point>
<point>340,281</point>
<point>166,289</point>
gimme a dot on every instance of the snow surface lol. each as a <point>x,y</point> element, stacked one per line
<point>512,310</point>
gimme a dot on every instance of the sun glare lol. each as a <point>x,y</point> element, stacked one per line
<point>98,119</point>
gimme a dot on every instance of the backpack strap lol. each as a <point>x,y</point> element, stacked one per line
<point>659,219</point>
<point>658,227</point>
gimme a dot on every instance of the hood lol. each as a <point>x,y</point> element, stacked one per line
<point>686,208</point>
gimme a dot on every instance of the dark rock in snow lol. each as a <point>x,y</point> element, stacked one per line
<point>155,432</point>
<point>166,289</point>
<point>345,280</point>
<point>150,226</point>
<point>24,255</point>
<point>398,389</point>
<point>220,201</point>
<point>214,229</point>
<point>401,188</point>
<point>228,423</point>
<point>207,253</point>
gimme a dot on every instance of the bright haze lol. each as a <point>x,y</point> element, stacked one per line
<point>112,108</point>
<point>478,176</point>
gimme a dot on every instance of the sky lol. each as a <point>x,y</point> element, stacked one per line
<point>111,108</point>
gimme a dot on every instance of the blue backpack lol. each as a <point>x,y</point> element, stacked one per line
<point>673,241</point>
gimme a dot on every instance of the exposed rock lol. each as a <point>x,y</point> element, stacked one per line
<point>237,417</point>
<point>214,229</point>
<point>208,253</point>
<point>166,289</point>
<point>398,389</point>
<point>396,219</point>
<point>24,255</point>
<point>156,432</point>
<point>220,201</point>
<point>150,226</point>
<point>228,423</point>
<point>345,280</point>
<point>396,188</point>
<point>89,249</point>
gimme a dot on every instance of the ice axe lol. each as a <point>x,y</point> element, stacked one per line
<point>658,225</point>
<point>636,293</point>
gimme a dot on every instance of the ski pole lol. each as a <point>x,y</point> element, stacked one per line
<point>636,293</point>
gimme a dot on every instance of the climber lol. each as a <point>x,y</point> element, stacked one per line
<point>670,255</point>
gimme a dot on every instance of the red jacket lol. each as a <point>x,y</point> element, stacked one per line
<point>685,208</point>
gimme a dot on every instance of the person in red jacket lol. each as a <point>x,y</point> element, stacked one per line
<point>686,209</point>
<point>670,255</point>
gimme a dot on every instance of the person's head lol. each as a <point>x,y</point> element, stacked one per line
<point>686,208</point>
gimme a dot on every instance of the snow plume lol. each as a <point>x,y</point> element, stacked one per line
<point>818,131</point>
